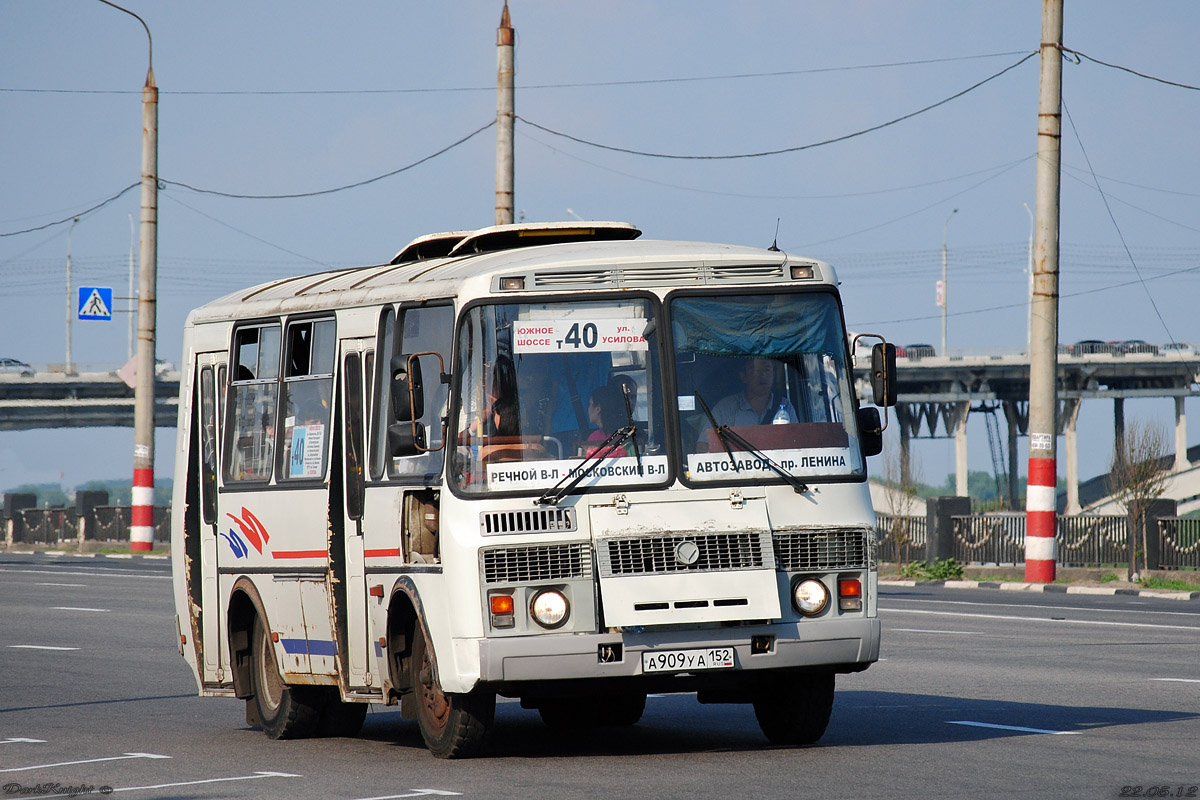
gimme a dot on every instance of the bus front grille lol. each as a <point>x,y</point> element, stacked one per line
<point>534,520</point>
<point>686,552</point>
<point>536,563</point>
<point>821,548</point>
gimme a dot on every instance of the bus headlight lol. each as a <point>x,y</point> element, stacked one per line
<point>810,597</point>
<point>549,608</point>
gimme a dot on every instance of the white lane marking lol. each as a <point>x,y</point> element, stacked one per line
<point>1043,619</point>
<point>17,739</point>
<point>124,757</point>
<point>106,572</point>
<point>1012,728</point>
<point>39,647</point>
<point>412,793</point>
<point>75,608</point>
<point>925,630</point>
<point>83,585</point>
<point>253,777</point>
<point>1177,680</point>
<point>1191,614</point>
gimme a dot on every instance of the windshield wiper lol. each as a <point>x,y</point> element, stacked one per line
<point>637,453</point>
<point>561,489</point>
<point>726,435</point>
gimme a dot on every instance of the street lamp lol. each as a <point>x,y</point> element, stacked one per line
<point>945,286</point>
<point>141,531</point>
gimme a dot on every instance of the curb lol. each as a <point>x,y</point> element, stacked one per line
<point>1049,588</point>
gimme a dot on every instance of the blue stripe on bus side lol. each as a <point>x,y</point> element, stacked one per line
<point>315,647</point>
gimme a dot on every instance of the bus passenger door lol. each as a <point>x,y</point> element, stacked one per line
<point>350,593</point>
<point>211,374</point>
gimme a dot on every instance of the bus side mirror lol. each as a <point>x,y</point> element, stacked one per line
<point>870,431</point>
<point>408,395</point>
<point>406,438</point>
<point>883,374</point>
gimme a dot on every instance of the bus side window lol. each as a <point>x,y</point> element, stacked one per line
<point>250,432</point>
<point>423,329</point>
<point>307,399</point>
<point>208,447</point>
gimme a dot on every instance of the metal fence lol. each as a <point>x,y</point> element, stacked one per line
<point>1087,540</point>
<point>54,526</point>
<point>989,538</point>
<point>1084,540</point>
<point>1179,542</point>
<point>900,539</point>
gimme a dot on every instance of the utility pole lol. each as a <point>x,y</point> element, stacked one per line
<point>141,530</point>
<point>1041,547</point>
<point>505,116</point>
<point>70,367</point>
<point>945,285</point>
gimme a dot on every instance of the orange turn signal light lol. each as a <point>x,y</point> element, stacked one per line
<point>849,587</point>
<point>502,604</point>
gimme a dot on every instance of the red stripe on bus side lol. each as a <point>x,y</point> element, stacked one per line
<point>384,553</point>
<point>298,554</point>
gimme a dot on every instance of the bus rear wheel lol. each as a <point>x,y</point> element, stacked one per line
<point>452,725</point>
<point>284,712</point>
<point>796,711</point>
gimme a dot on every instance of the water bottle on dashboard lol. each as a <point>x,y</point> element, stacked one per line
<point>781,416</point>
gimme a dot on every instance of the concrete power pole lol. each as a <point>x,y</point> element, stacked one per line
<point>141,531</point>
<point>505,116</point>
<point>1041,550</point>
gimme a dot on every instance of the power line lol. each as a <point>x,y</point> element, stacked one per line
<point>74,216</point>
<point>782,150</point>
<point>528,87</point>
<point>1131,71</point>
<point>355,185</point>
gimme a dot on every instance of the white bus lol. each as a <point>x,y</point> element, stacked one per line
<point>545,462</point>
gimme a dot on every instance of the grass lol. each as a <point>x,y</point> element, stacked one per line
<point>1172,584</point>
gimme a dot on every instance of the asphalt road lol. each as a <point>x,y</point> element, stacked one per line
<point>980,693</point>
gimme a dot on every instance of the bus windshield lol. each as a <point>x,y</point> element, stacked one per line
<point>543,385</point>
<point>762,387</point>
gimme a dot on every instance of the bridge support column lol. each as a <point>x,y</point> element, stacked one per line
<point>1071,435</point>
<point>1118,426</point>
<point>1013,483</point>
<point>1181,458</point>
<point>962,411</point>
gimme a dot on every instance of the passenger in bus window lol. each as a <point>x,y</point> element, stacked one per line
<point>501,410</point>
<point>606,410</point>
<point>758,403</point>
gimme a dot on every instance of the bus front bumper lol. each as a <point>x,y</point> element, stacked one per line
<point>841,645</point>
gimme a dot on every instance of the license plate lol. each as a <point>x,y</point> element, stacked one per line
<point>687,660</point>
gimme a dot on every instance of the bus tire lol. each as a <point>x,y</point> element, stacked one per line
<point>284,712</point>
<point>452,725</point>
<point>609,711</point>
<point>797,711</point>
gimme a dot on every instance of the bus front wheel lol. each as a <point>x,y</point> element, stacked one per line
<point>452,725</point>
<point>284,712</point>
<point>797,711</point>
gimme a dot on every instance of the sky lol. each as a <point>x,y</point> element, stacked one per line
<point>304,97</point>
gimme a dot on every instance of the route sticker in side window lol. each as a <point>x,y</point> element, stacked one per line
<point>570,336</point>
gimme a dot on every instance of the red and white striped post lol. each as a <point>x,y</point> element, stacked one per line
<point>1041,547</point>
<point>141,528</point>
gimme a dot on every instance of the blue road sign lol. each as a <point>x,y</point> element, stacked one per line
<point>95,302</point>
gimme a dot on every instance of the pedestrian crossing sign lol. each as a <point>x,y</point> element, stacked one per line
<point>95,302</point>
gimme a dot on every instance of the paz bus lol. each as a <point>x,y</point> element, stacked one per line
<point>550,462</point>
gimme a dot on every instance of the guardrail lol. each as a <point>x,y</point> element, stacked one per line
<point>57,526</point>
<point>1084,540</point>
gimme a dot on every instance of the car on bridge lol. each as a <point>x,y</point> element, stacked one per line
<point>916,351</point>
<point>11,366</point>
<point>1138,346</point>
